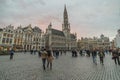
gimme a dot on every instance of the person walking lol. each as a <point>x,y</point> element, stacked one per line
<point>80,52</point>
<point>49,59</point>
<point>44,57</point>
<point>88,52</point>
<point>94,56</point>
<point>101,56</point>
<point>57,53</point>
<point>39,53</point>
<point>115,56</point>
<point>24,51</point>
<point>34,51</point>
<point>11,54</point>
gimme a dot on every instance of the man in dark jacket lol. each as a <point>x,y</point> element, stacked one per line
<point>115,56</point>
<point>94,55</point>
<point>101,56</point>
<point>11,54</point>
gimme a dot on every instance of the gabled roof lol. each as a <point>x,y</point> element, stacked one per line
<point>28,28</point>
<point>57,32</point>
<point>37,29</point>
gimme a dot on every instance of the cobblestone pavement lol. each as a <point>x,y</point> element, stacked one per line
<point>29,67</point>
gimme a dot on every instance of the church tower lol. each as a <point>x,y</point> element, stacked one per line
<point>66,29</point>
<point>65,25</point>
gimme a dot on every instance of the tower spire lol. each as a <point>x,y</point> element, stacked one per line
<point>65,10</point>
<point>66,25</point>
<point>65,15</point>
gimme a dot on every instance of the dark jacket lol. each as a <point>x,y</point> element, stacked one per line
<point>11,52</point>
<point>94,53</point>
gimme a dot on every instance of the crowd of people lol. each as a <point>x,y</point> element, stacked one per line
<point>99,52</point>
<point>48,55</point>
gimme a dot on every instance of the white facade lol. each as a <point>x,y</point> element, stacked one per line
<point>7,38</point>
<point>117,39</point>
<point>26,38</point>
<point>32,38</point>
<point>18,38</point>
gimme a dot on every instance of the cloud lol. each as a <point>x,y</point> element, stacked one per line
<point>87,18</point>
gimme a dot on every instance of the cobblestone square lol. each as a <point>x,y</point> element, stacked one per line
<point>29,67</point>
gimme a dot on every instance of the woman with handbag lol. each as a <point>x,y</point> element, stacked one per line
<point>49,59</point>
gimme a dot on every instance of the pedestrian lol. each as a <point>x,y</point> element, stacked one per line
<point>72,53</point>
<point>115,56</point>
<point>61,52</point>
<point>94,56</point>
<point>24,51</point>
<point>34,51</point>
<point>39,53</point>
<point>11,54</point>
<point>80,52</point>
<point>57,53</point>
<point>44,57</point>
<point>65,52</point>
<point>75,52</point>
<point>31,51</point>
<point>101,56</point>
<point>49,59</point>
<point>88,53</point>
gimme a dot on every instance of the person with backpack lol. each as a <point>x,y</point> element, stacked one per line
<point>101,56</point>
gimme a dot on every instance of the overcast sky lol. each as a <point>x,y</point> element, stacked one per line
<point>87,18</point>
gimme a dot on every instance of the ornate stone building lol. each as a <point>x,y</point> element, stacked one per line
<point>7,37</point>
<point>62,40</point>
<point>38,38</point>
<point>33,38</point>
<point>117,39</point>
<point>90,43</point>
<point>18,38</point>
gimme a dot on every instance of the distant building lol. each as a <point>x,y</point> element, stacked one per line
<point>117,39</point>
<point>22,38</point>
<point>1,30</point>
<point>38,39</point>
<point>90,43</point>
<point>32,38</point>
<point>18,38</point>
<point>7,38</point>
<point>62,40</point>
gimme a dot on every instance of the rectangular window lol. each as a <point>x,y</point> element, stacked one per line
<point>4,34</point>
<point>10,41</point>
<point>3,41</point>
<point>8,35</point>
<point>7,40</point>
<point>11,35</point>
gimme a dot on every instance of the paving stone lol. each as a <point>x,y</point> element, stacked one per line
<point>29,67</point>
